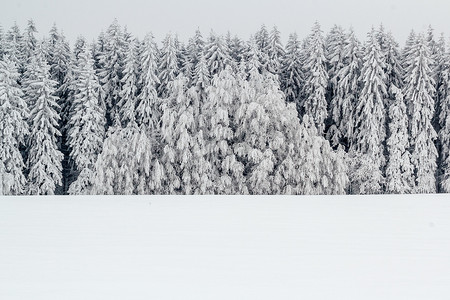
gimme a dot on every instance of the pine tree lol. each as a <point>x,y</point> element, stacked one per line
<point>147,111</point>
<point>316,81</point>
<point>128,94</point>
<point>13,130</point>
<point>275,52</point>
<point>217,54</point>
<point>399,170</point>
<point>168,66</point>
<point>291,74</point>
<point>2,42</point>
<point>419,95</point>
<point>110,75</point>
<point>86,125</point>
<point>370,113</point>
<point>13,47</point>
<point>343,104</point>
<point>444,122</point>
<point>29,42</point>
<point>334,49</point>
<point>44,158</point>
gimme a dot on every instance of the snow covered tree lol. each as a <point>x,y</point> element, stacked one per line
<point>148,111</point>
<point>128,94</point>
<point>343,103</point>
<point>217,115</point>
<point>334,48</point>
<point>2,42</point>
<point>275,52</point>
<point>291,74</point>
<point>86,125</point>
<point>29,42</point>
<point>316,81</point>
<point>168,65</point>
<point>13,130</point>
<point>399,170</point>
<point>13,47</point>
<point>110,75</point>
<point>181,143</point>
<point>419,95</point>
<point>44,158</point>
<point>370,114</point>
<point>217,54</point>
<point>444,122</point>
<point>124,165</point>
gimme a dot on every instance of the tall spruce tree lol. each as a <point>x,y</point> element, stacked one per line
<point>13,130</point>
<point>168,65</point>
<point>291,74</point>
<point>44,157</point>
<point>419,95</point>
<point>316,79</point>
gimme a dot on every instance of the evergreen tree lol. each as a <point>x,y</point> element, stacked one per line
<point>217,54</point>
<point>316,81</point>
<point>168,65</point>
<point>44,158</point>
<point>128,94</point>
<point>444,121</point>
<point>370,131</point>
<point>334,49</point>
<point>13,130</point>
<point>86,125</point>
<point>275,52</point>
<point>343,104</point>
<point>29,42</point>
<point>291,74</point>
<point>110,75</point>
<point>148,111</point>
<point>419,95</point>
<point>399,170</point>
<point>13,47</point>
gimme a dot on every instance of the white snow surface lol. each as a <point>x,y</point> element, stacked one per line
<point>225,247</point>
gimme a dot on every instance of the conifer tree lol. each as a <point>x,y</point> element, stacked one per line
<point>13,47</point>
<point>13,130</point>
<point>419,96</point>
<point>168,65</point>
<point>217,54</point>
<point>316,81</point>
<point>334,48</point>
<point>399,170</point>
<point>110,75</point>
<point>129,84</point>
<point>148,110</point>
<point>29,42</point>
<point>291,74</point>
<point>370,114</point>
<point>275,52</point>
<point>86,125</point>
<point>343,103</point>
<point>44,158</point>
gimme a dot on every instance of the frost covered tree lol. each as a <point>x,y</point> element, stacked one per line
<point>86,125</point>
<point>147,109</point>
<point>345,97</point>
<point>419,95</point>
<point>181,143</point>
<point>44,157</point>
<point>399,170</point>
<point>2,42</point>
<point>334,50</point>
<point>110,75</point>
<point>316,79</point>
<point>13,130</point>
<point>218,127</point>
<point>168,65</point>
<point>124,167</point>
<point>291,74</point>
<point>14,47</point>
<point>444,121</point>
<point>275,52</point>
<point>29,41</point>
<point>217,54</point>
<point>129,84</point>
<point>370,114</point>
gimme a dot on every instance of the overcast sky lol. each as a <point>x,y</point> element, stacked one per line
<point>241,17</point>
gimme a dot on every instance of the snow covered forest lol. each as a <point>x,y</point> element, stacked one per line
<point>323,114</point>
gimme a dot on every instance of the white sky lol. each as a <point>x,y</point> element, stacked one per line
<point>241,17</point>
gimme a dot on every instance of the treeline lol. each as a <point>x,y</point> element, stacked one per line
<point>218,115</point>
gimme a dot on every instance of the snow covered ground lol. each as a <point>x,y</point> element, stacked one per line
<point>373,247</point>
